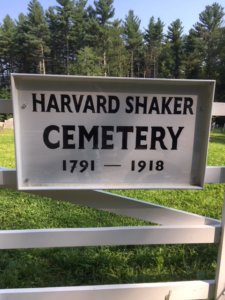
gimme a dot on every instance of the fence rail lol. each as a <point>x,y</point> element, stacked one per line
<point>176,227</point>
<point>151,291</point>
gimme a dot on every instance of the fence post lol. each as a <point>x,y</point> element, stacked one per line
<point>220,272</point>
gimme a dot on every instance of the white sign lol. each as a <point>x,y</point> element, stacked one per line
<point>99,133</point>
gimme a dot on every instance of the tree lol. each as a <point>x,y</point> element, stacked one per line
<point>134,42</point>
<point>116,52</point>
<point>207,30</point>
<point>23,50</point>
<point>61,41</point>
<point>220,86</point>
<point>38,34</point>
<point>153,38</point>
<point>87,63</point>
<point>103,12</point>
<point>31,40</point>
<point>80,21</point>
<point>175,42</point>
<point>193,58</point>
<point>210,19</point>
<point>71,38</point>
<point>7,57</point>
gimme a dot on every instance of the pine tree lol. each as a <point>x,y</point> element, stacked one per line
<point>208,32</point>
<point>153,45</point>
<point>23,50</point>
<point>134,42</point>
<point>31,40</point>
<point>116,53</point>
<point>61,42</point>
<point>74,39</point>
<point>87,63</point>
<point>7,55</point>
<point>176,46</point>
<point>220,84</point>
<point>79,26</point>
<point>38,35</point>
<point>103,13</point>
<point>193,58</point>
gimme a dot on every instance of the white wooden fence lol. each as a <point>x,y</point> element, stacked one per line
<point>175,227</point>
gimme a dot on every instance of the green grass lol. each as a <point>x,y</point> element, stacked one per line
<point>104,265</point>
<point>7,152</point>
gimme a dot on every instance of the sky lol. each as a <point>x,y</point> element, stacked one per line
<point>167,10</point>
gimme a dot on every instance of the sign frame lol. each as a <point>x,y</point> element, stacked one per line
<point>202,91</point>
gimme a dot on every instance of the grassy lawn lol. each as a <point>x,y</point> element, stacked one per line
<point>104,265</point>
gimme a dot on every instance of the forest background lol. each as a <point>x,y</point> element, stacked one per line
<point>74,38</point>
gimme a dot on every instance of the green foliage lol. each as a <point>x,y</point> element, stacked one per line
<point>193,57</point>
<point>211,18</point>
<point>58,40</point>
<point>38,35</point>
<point>134,42</point>
<point>208,32</point>
<point>104,265</point>
<point>7,59</point>
<point>175,42</point>
<point>153,38</point>
<point>104,11</point>
<point>87,63</point>
<point>7,150</point>
<point>4,94</point>
<point>60,20</point>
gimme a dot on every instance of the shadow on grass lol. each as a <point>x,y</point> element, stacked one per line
<point>106,265</point>
<point>218,137</point>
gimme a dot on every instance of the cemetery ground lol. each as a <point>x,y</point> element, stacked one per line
<point>104,265</point>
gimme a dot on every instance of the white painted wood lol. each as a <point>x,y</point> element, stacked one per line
<point>220,274</point>
<point>215,175</point>
<point>186,290</point>
<point>126,206</point>
<point>8,178</point>
<point>218,109</point>
<point>135,235</point>
<point>120,205</point>
<point>197,232</point>
<point>212,175</point>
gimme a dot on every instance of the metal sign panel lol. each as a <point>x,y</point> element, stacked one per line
<point>110,133</point>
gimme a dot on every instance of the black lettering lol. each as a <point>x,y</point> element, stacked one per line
<point>188,103</point>
<point>165,105</point>
<point>177,105</point>
<point>154,106</point>
<point>124,130</point>
<point>77,103</point>
<point>140,104</point>
<point>36,101</point>
<point>65,103</point>
<point>129,104</point>
<point>52,104</point>
<point>91,135</point>
<point>89,104</point>
<point>174,136</point>
<point>141,137</point>
<point>158,135</point>
<point>46,137</point>
<point>67,137</point>
<point>101,103</point>
<point>106,137</point>
<point>114,104</point>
